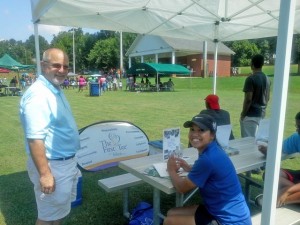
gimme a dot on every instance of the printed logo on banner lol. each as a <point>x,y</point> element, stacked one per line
<point>112,144</point>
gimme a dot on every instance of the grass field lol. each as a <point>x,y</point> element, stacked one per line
<point>152,112</point>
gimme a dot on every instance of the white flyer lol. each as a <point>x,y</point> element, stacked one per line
<point>171,142</point>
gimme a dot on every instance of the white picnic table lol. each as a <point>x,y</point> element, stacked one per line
<point>249,158</point>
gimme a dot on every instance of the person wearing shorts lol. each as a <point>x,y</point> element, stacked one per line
<point>51,140</point>
<point>289,180</point>
<point>256,97</point>
<point>215,176</point>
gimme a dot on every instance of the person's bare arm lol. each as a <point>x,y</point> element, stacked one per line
<point>181,184</point>
<point>37,151</point>
<point>184,165</point>
<point>246,104</point>
<point>289,195</point>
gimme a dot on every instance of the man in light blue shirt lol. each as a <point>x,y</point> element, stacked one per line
<point>289,180</point>
<point>51,139</point>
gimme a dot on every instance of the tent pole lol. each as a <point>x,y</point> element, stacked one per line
<point>157,84</point>
<point>282,67</point>
<point>215,66</point>
<point>216,40</point>
<point>74,56</point>
<point>121,54</point>
<point>204,59</point>
<point>37,49</point>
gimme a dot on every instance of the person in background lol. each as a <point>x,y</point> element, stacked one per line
<point>115,83</point>
<point>23,82</point>
<point>103,83</point>
<point>81,83</point>
<point>13,82</point>
<point>170,82</point>
<point>213,109</point>
<point>128,83</point>
<point>256,98</point>
<point>215,176</point>
<point>147,82</point>
<point>289,180</point>
<point>120,85</point>
<point>51,140</point>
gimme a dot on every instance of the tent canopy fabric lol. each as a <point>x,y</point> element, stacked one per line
<point>224,20</point>
<point>3,70</point>
<point>6,61</point>
<point>158,68</point>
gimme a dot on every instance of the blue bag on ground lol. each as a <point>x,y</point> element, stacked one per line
<point>142,214</point>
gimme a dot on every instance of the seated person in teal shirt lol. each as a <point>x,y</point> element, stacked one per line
<point>289,180</point>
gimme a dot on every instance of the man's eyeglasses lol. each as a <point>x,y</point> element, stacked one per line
<point>57,65</point>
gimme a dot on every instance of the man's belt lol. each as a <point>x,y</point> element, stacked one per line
<point>65,158</point>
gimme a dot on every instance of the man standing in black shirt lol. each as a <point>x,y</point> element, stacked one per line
<point>257,94</point>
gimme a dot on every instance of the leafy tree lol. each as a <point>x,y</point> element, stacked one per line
<point>89,42</point>
<point>244,50</point>
<point>263,45</point>
<point>297,50</point>
<point>30,48</point>
<point>64,40</point>
<point>128,39</point>
<point>16,49</point>
<point>104,54</point>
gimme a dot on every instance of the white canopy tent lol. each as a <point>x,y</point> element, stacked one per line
<point>218,20</point>
<point>215,20</point>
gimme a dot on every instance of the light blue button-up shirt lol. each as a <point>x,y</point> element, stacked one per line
<point>46,115</point>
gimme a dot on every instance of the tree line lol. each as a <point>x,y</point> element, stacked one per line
<point>101,50</point>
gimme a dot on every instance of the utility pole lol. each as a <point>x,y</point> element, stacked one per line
<point>74,57</point>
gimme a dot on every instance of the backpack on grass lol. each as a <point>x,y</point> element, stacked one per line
<point>142,214</point>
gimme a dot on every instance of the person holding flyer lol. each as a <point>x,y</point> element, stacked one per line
<point>215,176</point>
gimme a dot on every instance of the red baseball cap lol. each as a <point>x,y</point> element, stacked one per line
<point>213,101</point>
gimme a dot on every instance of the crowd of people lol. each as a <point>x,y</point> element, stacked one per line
<point>107,82</point>
<point>51,142</point>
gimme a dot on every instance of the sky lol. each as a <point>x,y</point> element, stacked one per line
<point>15,22</point>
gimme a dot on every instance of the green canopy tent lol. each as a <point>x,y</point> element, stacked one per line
<point>158,69</point>
<point>6,61</point>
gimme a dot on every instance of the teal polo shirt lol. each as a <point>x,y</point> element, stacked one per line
<point>46,115</point>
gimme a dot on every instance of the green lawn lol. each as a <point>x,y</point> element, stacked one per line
<point>269,69</point>
<point>152,112</point>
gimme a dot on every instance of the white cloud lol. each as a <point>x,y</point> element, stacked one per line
<point>47,31</point>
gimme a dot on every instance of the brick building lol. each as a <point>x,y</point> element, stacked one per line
<point>189,53</point>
